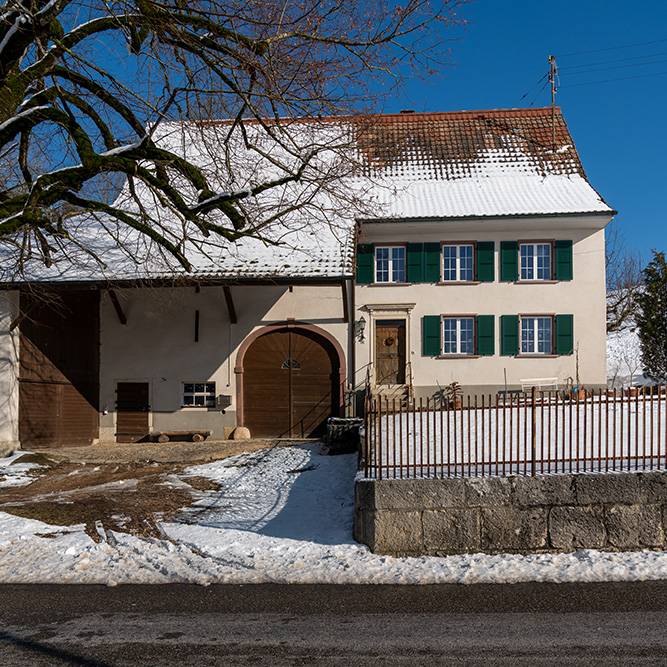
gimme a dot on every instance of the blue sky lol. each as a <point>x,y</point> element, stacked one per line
<point>619,127</point>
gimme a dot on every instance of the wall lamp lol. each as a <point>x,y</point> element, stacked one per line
<point>359,327</point>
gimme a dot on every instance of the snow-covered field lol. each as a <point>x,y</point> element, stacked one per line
<point>282,515</point>
<point>624,364</point>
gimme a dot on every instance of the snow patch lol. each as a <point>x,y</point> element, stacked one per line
<point>282,515</point>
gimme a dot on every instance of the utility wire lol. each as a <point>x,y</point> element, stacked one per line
<point>619,60</point>
<point>622,78</point>
<point>612,48</point>
<point>532,89</point>
<point>605,69</point>
<point>538,94</point>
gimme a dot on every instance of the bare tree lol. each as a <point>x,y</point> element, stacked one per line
<point>624,280</point>
<point>94,94</point>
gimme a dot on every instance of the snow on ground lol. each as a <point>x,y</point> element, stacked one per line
<point>14,472</point>
<point>282,515</point>
<point>624,359</point>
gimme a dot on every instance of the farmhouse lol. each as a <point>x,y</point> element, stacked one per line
<point>462,247</point>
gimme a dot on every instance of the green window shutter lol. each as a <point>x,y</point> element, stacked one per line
<point>432,262</point>
<point>365,263</point>
<point>509,261</point>
<point>432,337</point>
<point>509,335</point>
<point>564,334</point>
<point>415,263</point>
<point>485,335</point>
<point>563,253</point>
<point>485,261</point>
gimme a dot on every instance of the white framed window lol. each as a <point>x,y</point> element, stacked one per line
<point>389,264</point>
<point>458,263</point>
<point>199,394</point>
<point>458,335</point>
<point>536,335</point>
<point>535,261</point>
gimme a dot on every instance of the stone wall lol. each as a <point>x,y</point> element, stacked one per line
<point>613,511</point>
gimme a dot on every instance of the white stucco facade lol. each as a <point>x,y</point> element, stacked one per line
<point>157,345</point>
<point>583,297</point>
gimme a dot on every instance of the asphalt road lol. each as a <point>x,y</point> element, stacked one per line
<point>521,624</point>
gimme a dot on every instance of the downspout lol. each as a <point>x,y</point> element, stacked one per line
<point>352,355</point>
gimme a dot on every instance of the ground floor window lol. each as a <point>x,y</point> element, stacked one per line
<point>199,394</point>
<point>458,335</point>
<point>536,335</point>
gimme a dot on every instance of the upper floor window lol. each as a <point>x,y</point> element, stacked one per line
<point>389,264</point>
<point>458,335</point>
<point>536,335</point>
<point>457,263</point>
<point>535,261</point>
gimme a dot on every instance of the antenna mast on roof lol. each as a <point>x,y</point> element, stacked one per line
<point>552,80</point>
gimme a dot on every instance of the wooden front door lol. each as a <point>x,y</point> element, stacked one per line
<point>288,385</point>
<point>390,352</point>
<point>59,369</point>
<point>132,410</point>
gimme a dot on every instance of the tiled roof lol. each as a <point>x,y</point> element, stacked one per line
<point>408,166</point>
<point>448,145</point>
<point>477,163</point>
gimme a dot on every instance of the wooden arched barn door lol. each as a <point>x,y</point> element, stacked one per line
<point>290,380</point>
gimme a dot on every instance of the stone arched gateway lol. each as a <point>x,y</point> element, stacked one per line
<point>289,379</point>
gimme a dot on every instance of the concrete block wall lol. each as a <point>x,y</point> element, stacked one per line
<point>562,513</point>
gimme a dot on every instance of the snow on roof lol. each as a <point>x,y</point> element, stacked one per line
<point>376,168</point>
<point>477,163</point>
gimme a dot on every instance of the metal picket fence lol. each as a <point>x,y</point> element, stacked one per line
<point>521,434</point>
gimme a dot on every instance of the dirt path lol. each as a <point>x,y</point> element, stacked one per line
<point>171,452</point>
<point>128,497</point>
<point>121,487</point>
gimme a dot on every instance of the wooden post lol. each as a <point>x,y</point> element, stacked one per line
<point>552,80</point>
